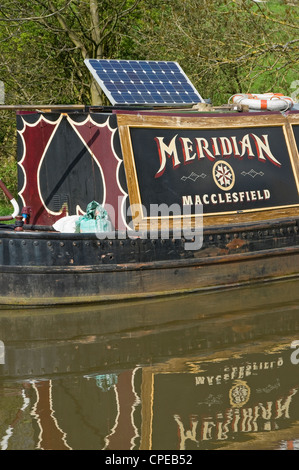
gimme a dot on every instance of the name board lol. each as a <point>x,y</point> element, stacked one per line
<point>234,166</point>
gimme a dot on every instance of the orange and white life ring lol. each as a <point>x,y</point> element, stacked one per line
<point>264,101</point>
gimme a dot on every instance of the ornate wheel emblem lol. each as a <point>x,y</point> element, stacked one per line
<point>239,394</point>
<point>223,175</point>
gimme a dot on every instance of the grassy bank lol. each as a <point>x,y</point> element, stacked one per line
<point>6,209</point>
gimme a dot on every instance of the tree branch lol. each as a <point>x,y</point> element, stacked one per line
<point>35,18</point>
<point>71,34</point>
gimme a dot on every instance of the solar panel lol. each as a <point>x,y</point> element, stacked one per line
<point>143,82</point>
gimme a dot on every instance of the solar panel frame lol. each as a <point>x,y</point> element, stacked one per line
<point>144,82</point>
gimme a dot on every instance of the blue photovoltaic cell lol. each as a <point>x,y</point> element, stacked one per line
<point>143,82</point>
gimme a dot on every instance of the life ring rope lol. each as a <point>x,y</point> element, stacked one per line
<point>264,101</point>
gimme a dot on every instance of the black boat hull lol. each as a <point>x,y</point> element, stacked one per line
<point>49,268</point>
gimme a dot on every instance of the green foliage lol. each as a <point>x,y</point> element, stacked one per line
<point>224,46</point>
<point>8,168</point>
<point>5,209</point>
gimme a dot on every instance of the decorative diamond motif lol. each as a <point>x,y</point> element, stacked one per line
<point>252,173</point>
<point>193,176</point>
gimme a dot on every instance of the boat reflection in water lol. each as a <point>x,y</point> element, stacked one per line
<point>204,371</point>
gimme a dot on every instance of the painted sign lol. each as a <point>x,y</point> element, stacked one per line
<point>222,165</point>
<point>67,160</point>
<point>227,169</point>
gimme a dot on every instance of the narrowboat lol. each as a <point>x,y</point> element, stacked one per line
<point>159,193</point>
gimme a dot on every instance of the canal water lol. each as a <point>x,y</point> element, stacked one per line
<point>215,370</point>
